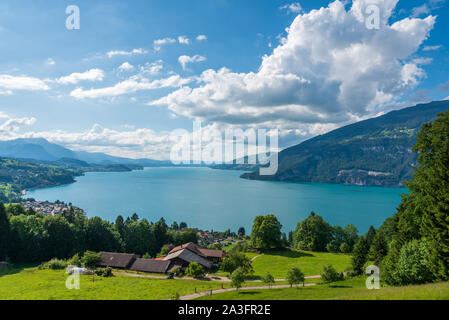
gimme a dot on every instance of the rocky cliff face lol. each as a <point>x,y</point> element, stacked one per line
<point>375,152</point>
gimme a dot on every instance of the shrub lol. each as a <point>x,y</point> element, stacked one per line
<point>146,256</point>
<point>104,272</point>
<point>330,275</point>
<point>75,261</point>
<point>295,276</point>
<point>54,264</point>
<point>90,259</point>
<point>236,260</point>
<point>177,271</point>
<point>332,248</point>
<point>195,270</point>
<point>345,248</point>
<point>238,278</point>
<point>268,279</point>
<point>413,264</point>
<point>360,255</point>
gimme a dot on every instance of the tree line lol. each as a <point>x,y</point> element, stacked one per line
<point>27,236</point>
<point>412,246</point>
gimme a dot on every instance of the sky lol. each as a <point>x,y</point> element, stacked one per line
<point>135,71</point>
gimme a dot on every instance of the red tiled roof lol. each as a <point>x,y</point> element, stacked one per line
<point>200,251</point>
<point>191,246</point>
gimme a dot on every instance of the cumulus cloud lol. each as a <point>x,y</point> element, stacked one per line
<point>201,37</point>
<point>292,7</point>
<point>157,44</point>
<point>10,83</point>
<point>329,69</point>
<point>133,84</point>
<point>151,68</point>
<point>183,40</point>
<point>126,66</point>
<point>431,48</point>
<point>89,75</point>
<point>184,60</point>
<point>11,126</point>
<point>111,54</point>
<point>131,142</point>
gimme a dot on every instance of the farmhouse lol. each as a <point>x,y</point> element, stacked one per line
<point>117,260</point>
<point>178,257</point>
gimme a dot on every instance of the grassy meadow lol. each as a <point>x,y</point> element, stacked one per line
<point>351,289</point>
<point>311,263</point>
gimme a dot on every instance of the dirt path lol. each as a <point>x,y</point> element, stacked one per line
<point>210,278</point>
<point>254,258</point>
<point>211,292</point>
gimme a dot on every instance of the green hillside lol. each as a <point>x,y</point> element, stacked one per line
<point>377,151</point>
<point>16,175</point>
<point>351,289</point>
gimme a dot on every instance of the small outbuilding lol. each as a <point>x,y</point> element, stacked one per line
<point>150,265</point>
<point>4,265</point>
<point>117,260</point>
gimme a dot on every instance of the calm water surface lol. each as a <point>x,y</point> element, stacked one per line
<point>219,199</point>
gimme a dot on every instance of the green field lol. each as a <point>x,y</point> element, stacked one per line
<point>311,263</point>
<point>30,283</point>
<point>352,289</point>
<point>33,284</point>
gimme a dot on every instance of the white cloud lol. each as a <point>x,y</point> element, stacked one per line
<point>447,98</point>
<point>89,75</point>
<point>157,44</point>
<point>12,125</point>
<point>329,70</point>
<point>5,92</point>
<point>201,37</point>
<point>9,83</point>
<point>126,66</point>
<point>51,62</point>
<point>133,84</point>
<point>111,54</point>
<point>132,143</point>
<point>183,40</point>
<point>292,7</point>
<point>184,60</point>
<point>431,48</point>
<point>421,10</point>
<point>151,68</point>
<point>423,61</point>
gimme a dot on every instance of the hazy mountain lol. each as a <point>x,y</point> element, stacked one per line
<point>41,149</point>
<point>377,151</point>
<point>34,148</point>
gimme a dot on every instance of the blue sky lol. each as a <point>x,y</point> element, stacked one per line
<point>110,86</point>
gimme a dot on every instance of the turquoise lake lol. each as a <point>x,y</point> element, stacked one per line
<point>219,199</point>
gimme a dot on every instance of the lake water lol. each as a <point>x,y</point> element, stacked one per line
<point>219,199</point>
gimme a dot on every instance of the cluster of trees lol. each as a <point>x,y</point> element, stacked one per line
<point>266,233</point>
<point>315,234</point>
<point>418,250</point>
<point>27,236</point>
<point>17,175</point>
<point>412,247</point>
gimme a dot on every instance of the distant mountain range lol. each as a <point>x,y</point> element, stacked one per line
<point>41,149</point>
<point>375,152</point>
